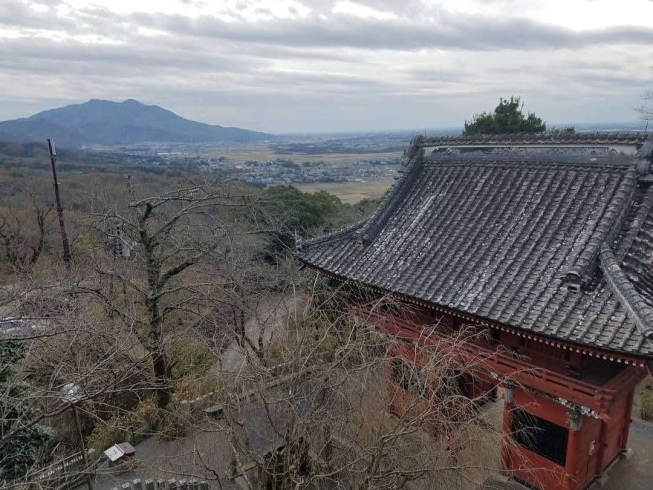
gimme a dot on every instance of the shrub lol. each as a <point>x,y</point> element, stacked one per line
<point>189,358</point>
<point>646,407</point>
<point>132,426</point>
<point>315,335</point>
<point>174,425</point>
<point>108,433</point>
<point>190,387</point>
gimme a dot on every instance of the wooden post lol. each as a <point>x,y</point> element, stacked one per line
<point>64,237</point>
<point>573,449</point>
<point>600,448</point>
<point>627,418</point>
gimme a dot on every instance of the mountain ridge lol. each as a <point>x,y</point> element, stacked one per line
<point>109,123</point>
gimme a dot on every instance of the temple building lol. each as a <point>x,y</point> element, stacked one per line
<point>544,243</point>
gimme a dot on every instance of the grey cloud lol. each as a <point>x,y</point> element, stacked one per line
<point>450,31</point>
<point>428,68</point>
<point>34,55</point>
<point>340,86</point>
<point>615,81</point>
<point>439,74</point>
<point>18,14</point>
<point>442,30</point>
<point>403,8</point>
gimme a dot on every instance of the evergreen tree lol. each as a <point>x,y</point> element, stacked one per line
<point>506,118</point>
<point>20,452</point>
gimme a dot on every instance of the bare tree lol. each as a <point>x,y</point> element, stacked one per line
<point>373,412</point>
<point>319,398</point>
<point>191,247</point>
<point>56,352</point>
<point>24,233</point>
<point>332,409</point>
<point>646,110</point>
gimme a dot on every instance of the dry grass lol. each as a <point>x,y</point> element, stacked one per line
<point>351,192</point>
<point>643,403</point>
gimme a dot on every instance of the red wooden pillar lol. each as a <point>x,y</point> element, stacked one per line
<point>575,420</point>
<point>601,443</point>
<point>627,419</point>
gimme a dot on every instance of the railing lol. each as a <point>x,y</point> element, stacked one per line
<point>504,364</point>
<point>65,470</point>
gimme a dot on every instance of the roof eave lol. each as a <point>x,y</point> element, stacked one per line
<point>606,354</point>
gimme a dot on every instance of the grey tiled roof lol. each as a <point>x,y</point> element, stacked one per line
<point>563,249</point>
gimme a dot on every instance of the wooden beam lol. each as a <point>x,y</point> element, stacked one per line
<point>504,365</point>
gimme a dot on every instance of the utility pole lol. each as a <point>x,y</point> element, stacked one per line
<point>64,238</point>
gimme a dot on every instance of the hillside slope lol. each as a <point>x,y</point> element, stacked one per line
<point>117,123</point>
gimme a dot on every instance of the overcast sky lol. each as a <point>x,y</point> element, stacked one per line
<point>330,65</point>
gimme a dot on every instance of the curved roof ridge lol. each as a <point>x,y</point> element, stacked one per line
<point>582,271</point>
<point>412,155</point>
<point>638,310</point>
<point>330,237</point>
<point>634,138</point>
<point>376,221</point>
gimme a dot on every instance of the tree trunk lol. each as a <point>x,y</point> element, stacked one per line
<point>157,351</point>
<point>160,367</point>
<point>155,342</point>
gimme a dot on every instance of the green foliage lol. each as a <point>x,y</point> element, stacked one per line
<point>11,351</point>
<point>299,210</point>
<point>20,453</point>
<point>506,118</point>
<point>290,211</point>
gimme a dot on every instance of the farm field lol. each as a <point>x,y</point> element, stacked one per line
<point>261,153</point>
<point>351,192</point>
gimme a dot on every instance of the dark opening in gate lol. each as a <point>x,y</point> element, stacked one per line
<point>540,436</point>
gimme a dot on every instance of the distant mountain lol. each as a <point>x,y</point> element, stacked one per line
<point>118,123</point>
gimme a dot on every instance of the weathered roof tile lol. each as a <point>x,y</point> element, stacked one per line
<point>501,239</point>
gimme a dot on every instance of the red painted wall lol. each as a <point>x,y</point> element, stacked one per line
<point>587,453</point>
<point>531,467</point>
<point>590,450</point>
<point>404,403</point>
<point>616,431</point>
<point>536,470</point>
